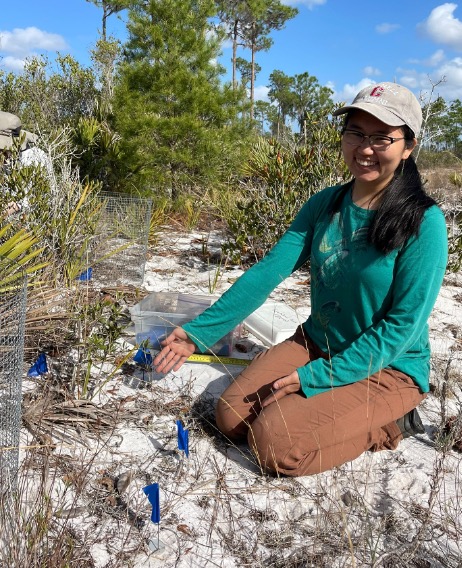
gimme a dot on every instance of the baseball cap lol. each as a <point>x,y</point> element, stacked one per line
<point>391,103</point>
<point>10,128</point>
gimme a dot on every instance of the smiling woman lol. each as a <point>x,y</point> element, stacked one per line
<point>373,158</point>
<point>350,378</point>
<point>375,143</point>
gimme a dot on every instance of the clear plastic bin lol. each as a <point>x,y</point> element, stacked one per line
<point>157,315</point>
<point>153,327</point>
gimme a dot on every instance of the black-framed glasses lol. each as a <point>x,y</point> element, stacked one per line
<point>376,141</point>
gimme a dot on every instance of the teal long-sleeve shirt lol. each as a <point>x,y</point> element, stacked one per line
<point>369,311</point>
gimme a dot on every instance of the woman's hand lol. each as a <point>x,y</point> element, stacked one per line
<point>282,387</point>
<point>177,347</point>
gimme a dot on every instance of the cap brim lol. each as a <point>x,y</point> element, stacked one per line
<point>379,112</point>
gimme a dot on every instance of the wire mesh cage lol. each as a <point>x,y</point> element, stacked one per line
<point>13,283</point>
<point>119,251</point>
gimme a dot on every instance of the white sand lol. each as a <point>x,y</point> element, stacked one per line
<point>217,509</point>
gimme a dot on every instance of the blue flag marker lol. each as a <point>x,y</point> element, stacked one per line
<point>183,438</point>
<point>39,367</point>
<point>152,493</point>
<point>143,357</point>
<point>86,275</point>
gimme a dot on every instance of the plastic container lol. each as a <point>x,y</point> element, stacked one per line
<point>273,322</point>
<point>153,327</point>
<point>159,313</point>
<point>194,304</point>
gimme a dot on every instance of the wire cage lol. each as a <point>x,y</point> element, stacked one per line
<point>13,286</point>
<point>119,251</point>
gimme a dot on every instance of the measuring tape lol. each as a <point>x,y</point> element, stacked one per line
<point>199,358</point>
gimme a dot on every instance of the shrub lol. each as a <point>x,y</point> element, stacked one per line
<point>456,179</point>
<point>279,178</point>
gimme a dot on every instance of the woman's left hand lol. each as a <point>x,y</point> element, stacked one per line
<point>282,387</point>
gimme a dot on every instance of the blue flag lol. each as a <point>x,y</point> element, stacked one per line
<point>39,367</point>
<point>143,357</point>
<point>152,493</point>
<point>183,438</point>
<point>86,274</point>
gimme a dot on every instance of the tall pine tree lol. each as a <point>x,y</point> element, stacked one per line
<point>179,124</point>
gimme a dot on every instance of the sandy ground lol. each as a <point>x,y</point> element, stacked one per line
<point>400,508</point>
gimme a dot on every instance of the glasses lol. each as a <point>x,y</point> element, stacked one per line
<point>376,141</point>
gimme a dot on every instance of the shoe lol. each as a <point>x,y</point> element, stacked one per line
<point>410,424</point>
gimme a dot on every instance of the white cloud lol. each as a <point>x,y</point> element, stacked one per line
<point>371,71</point>
<point>348,92</point>
<point>22,42</point>
<point>310,4</point>
<point>450,89</point>
<point>12,63</point>
<point>330,85</point>
<point>442,27</point>
<point>432,61</point>
<point>435,59</point>
<point>411,81</point>
<point>227,44</point>
<point>261,93</point>
<point>386,28</point>
<point>452,72</point>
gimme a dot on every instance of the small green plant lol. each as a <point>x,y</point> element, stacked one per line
<point>99,328</point>
<point>189,208</point>
<point>456,179</point>
<point>455,251</point>
<point>17,251</point>
<point>217,274</point>
<point>60,211</point>
<point>158,218</point>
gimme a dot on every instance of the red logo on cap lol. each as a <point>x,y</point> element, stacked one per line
<point>377,91</point>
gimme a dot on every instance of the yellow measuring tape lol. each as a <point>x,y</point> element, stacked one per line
<point>199,358</point>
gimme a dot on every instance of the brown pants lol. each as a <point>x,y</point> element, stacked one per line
<point>302,436</point>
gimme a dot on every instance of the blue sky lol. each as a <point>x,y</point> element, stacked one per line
<point>345,44</point>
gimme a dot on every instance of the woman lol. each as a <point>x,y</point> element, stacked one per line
<point>350,378</point>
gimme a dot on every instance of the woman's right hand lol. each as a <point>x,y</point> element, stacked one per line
<point>176,348</point>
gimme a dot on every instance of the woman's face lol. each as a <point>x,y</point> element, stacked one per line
<point>374,168</point>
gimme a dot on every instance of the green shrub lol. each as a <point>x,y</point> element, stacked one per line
<point>279,178</point>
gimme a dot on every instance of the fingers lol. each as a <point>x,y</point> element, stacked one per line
<point>283,387</point>
<point>290,380</point>
<point>171,362</point>
<point>169,358</point>
<point>177,347</point>
<point>277,395</point>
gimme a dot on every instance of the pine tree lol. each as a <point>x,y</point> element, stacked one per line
<point>179,124</point>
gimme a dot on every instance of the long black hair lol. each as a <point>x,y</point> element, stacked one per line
<point>402,204</point>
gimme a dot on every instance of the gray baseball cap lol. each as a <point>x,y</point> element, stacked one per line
<point>391,103</point>
<point>10,128</point>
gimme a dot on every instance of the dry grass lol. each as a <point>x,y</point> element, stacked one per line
<point>439,184</point>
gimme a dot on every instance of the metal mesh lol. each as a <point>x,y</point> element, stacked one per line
<point>13,283</point>
<point>119,256</point>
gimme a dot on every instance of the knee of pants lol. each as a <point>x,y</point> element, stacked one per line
<point>268,451</point>
<point>275,453</point>
<point>228,420</point>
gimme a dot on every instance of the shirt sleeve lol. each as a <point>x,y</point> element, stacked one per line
<point>251,290</point>
<point>419,272</point>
